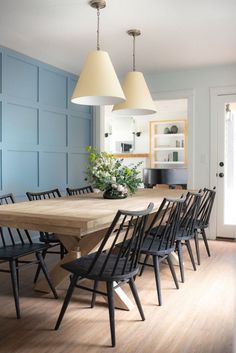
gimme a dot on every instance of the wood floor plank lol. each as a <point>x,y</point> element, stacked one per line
<point>197,318</point>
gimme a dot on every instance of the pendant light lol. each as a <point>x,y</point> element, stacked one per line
<point>138,98</point>
<point>98,83</point>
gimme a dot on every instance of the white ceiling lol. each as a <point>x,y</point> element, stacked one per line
<point>175,33</point>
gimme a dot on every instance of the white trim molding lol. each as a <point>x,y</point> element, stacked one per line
<point>215,92</point>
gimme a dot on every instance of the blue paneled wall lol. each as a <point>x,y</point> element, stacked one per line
<point>42,135</point>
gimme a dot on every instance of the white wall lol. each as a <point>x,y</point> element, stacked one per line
<point>200,81</point>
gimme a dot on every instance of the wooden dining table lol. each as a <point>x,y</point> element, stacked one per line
<point>80,223</point>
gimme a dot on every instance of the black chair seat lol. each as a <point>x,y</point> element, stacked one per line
<point>20,250</point>
<point>48,238</point>
<point>200,224</point>
<point>184,234</point>
<point>152,246</point>
<point>82,265</point>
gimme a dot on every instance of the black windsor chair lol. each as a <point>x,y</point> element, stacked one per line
<point>203,219</point>
<point>15,245</point>
<point>48,238</point>
<point>187,228</point>
<point>110,265</point>
<point>159,241</point>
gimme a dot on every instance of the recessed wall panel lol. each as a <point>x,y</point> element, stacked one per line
<point>20,125</point>
<point>0,72</point>
<point>77,164</point>
<point>21,79</point>
<point>52,170</point>
<point>79,132</point>
<point>42,136</point>
<point>21,174</point>
<point>52,129</point>
<point>52,89</point>
<point>0,169</point>
<point>0,122</point>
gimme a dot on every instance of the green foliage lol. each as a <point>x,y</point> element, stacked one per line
<point>105,172</point>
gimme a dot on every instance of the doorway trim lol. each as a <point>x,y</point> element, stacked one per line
<point>215,92</point>
<point>190,96</point>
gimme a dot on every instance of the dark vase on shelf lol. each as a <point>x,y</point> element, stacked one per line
<point>112,194</point>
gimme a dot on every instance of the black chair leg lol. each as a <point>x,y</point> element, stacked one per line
<point>62,251</point>
<point>136,297</point>
<point>13,271</point>
<point>196,240</point>
<point>187,242</point>
<point>143,266</point>
<point>172,270</point>
<point>66,300</point>
<point>205,242</point>
<point>111,312</point>
<point>157,277</point>
<point>181,262</point>
<point>17,275</point>
<point>46,274</point>
<point>94,294</point>
<point>39,267</point>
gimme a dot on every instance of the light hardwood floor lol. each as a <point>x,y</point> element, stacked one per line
<point>197,318</point>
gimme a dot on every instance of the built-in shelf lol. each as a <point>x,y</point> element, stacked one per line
<point>168,162</point>
<point>131,155</point>
<point>167,148</point>
<point>169,135</point>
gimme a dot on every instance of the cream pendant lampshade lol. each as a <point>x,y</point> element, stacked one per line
<point>98,83</point>
<point>138,98</point>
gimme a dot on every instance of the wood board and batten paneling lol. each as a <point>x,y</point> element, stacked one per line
<point>42,135</point>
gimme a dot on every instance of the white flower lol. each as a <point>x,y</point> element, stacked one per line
<point>113,179</point>
<point>120,188</point>
<point>125,190</point>
<point>114,186</point>
<point>96,191</point>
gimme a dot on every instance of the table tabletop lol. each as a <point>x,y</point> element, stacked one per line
<point>77,215</point>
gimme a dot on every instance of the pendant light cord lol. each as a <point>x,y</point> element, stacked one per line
<point>134,63</point>
<point>98,29</point>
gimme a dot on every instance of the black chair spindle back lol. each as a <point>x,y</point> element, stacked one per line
<point>189,215</point>
<point>79,191</point>
<point>127,225</point>
<point>205,208</point>
<point>165,225</point>
<point>50,194</point>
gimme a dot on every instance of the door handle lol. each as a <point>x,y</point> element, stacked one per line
<point>221,175</point>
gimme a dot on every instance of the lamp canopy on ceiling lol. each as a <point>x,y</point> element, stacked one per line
<point>138,98</point>
<point>98,83</point>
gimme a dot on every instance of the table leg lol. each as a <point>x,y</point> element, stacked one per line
<point>58,274</point>
<point>174,258</point>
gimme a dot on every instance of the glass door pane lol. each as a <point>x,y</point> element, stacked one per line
<point>230,164</point>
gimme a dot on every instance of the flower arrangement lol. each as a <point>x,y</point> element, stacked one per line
<point>108,174</point>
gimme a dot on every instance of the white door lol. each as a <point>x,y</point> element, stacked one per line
<point>226,166</point>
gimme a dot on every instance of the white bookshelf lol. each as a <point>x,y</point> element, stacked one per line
<point>168,143</point>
